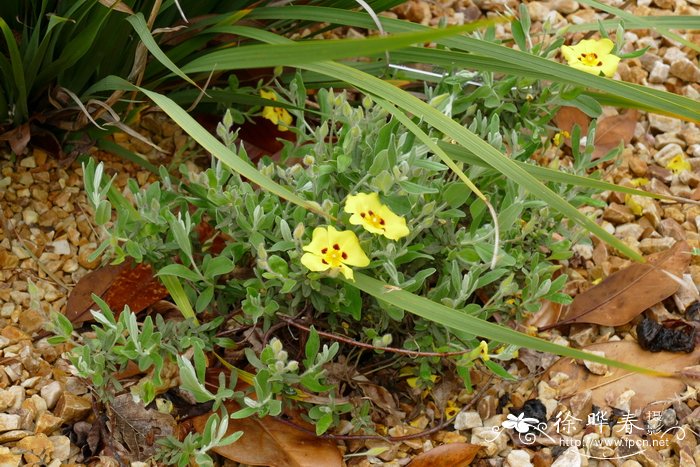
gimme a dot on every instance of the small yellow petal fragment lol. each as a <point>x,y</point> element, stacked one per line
<point>678,164</point>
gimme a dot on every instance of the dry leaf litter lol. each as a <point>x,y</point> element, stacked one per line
<point>47,237</point>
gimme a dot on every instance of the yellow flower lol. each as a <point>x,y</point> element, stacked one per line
<point>451,410</point>
<point>330,249</point>
<point>370,213</point>
<point>559,137</point>
<point>484,347</point>
<point>592,56</point>
<point>276,115</point>
<point>678,164</point>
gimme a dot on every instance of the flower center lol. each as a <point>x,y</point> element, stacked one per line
<point>334,257</point>
<point>590,59</point>
<point>373,219</point>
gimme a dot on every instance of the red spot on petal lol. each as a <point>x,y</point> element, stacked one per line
<point>336,246</point>
<point>344,255</point>
<point>324,251</point>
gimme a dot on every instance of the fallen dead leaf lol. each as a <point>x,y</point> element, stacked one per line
<point>547,315</point>
<point>118,286</point>
<point>567,117</point>
<point>627,293</point>
<point>447,455</point>
<point>650,390</point>
<point>609,131</point>
<point>613,130</point>
<point>272,443</point>
<point>136,428</point>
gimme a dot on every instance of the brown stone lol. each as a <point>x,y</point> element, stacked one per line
<point>661,173</point>
<point>37,448</point>
<point>71,408</point>
<point>31,320</point>
<point>48,423</point>
<point>638,166</point>
<point>14,334</point>
<point>671,228</point>
<point>618,214</point>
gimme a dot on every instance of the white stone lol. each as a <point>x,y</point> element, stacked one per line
<point>569,458</point>
<point>594,367</point>
<point>467,420</point>
<point>583,250</point>
<point>518,458</point>
<point>659,73</point>
<point>61,447</point>
<point>30,217</point>
<point>668,152</point>
<point>51,393</point>
<point>61,247</point>
<point>674,54</point>
<point>28,162</point>
<point>9,422</point>
<point>664,124</point>
<point>694,150</point>
<point>494,441</point>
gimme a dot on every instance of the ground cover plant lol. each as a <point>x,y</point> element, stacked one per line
<point>288,267</point>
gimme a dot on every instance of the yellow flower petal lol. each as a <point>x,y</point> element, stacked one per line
<point>678,164</point>
<point>276,115</point>
<point>313,262</point>
<point>592,56</point>
<point>332,249</point>
<point>369,212</point>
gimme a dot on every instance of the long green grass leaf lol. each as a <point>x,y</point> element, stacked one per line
<point>295,53</point>
<point>20,100</point>
<point>141,28</point>
<point>660,101</point>
<point>455,319</point>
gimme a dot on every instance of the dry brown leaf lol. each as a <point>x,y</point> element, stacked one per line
<point>117,5</point>
<point>118,286</point>
<point>567,117</point>
<point>612,130</point>
<point>136,428</point>
<point>650,390</point>
<point>272,443</point>
<point>627,293</point>
<point>447,455</point>
<point>547,315</point>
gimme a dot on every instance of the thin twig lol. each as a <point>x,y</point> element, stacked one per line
<point>347,340</point>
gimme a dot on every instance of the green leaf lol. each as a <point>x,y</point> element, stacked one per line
<point>218,266</point>
<point>180,271</point>
<point>416,189</point>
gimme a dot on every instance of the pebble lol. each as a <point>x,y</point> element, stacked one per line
<point>28,162</point>
<point>618,214</point>
<point>565,7</point>
<point>664,124</point>
<point>638,166</point>
<point>9,422</point>
<point>594,367</point>
<point>668,152</point>
<point>493,442</point>
<point>51,393</point>
<point>685,70</point>
<point>538,11</point>
<point>569,458</point>
<point>467,420</point>
<point>659,72</point>
<point>671,228</point>
<point>655,245</point>
<point>61,247</point>
<point>518,458</point>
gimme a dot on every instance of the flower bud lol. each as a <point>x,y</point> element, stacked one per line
<point>282,355</point>
<point>298,233</point>
<point>292,366</point>
<point>276,345</point>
